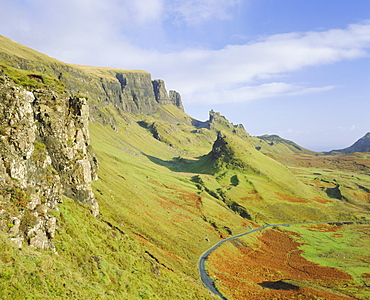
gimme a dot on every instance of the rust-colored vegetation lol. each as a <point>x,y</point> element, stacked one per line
<point>274,269</point>
<point>290,198</point>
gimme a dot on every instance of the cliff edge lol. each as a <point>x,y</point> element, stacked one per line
<point>132,91</point>
<point>45,149</point>
<point>45,152</point>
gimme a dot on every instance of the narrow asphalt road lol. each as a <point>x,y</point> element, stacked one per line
<point>209,283</point>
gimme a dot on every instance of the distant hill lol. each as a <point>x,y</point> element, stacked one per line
<point>275,144</point>
<point>362,145</point>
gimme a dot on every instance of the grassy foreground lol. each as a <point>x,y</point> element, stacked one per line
<point>163,203</point>
<point>94,261</point>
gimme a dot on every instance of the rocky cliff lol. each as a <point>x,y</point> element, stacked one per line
<point>45,149</point>
<point>164,98</point>
<point>132,91</point>
<point>45,152</point>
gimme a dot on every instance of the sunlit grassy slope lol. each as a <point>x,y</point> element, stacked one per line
<point>271,144</point>
<point>167,192</point>
<point>343,247</point>
<point>12,53</point>
<point>95,261</point>
<point>162,203</point>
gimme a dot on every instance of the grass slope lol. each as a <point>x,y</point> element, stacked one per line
<point>342,247</point>
<point>28,67</point>
<point>274,144</point>
<point>166,194</point>
<point>176,199</point>
<point>163,202</point>
<point>94,261</point>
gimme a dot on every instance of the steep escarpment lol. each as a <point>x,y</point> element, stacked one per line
<point>45,152</point>
<point>132,91</point>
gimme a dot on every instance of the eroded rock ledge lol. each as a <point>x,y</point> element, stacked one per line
<point>45,152</point>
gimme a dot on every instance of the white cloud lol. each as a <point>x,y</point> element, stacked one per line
<point>245,70</point>
<point>102,33</point>
<point>195,12</point>
<point>146,10</point>
<point>254,92</point>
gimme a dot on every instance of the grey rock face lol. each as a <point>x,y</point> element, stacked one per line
<point>175,99</point>
<point>130,92</point>
<point>160,92</point>
<point>45,152</point>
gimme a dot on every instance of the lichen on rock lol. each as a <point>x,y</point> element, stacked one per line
<point>45,152</point>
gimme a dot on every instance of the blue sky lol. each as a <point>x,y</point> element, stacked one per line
<point>296,68</point>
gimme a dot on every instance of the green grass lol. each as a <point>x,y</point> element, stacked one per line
<point>94,261</point>
<point>176,204</point>
<point>33,79</point>
<point>162,201</point>
<point>163,206</point>
<point>340,247</point>
<point>274,144</point>
<point>346,249</point>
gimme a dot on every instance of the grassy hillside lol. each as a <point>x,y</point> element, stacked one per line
<point>23,57</point>
<point>177,199</point>
<point>162,202</point>
<point>95,260</point>
<point>270,144</point>
<point>169,188</point>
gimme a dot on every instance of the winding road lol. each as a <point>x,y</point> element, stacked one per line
<point>209,283</point>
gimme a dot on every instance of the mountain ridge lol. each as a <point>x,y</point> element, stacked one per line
<point>113,82</point>
<point>361,145</point>
<point>130,90</point>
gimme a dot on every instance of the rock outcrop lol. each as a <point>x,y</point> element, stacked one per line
<point>164,98</point>
<point>131,92</point>
<point>160,92</point>
<point>45,152</point>
<point>175,99</point>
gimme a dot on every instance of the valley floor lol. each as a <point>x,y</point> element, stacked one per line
<point>300,262</point>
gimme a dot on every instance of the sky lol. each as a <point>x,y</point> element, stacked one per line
<point>296,68</point>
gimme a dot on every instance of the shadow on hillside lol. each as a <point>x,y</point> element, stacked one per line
<point>279,285</point>
<point>199,124</point>
<point>176,164</point>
